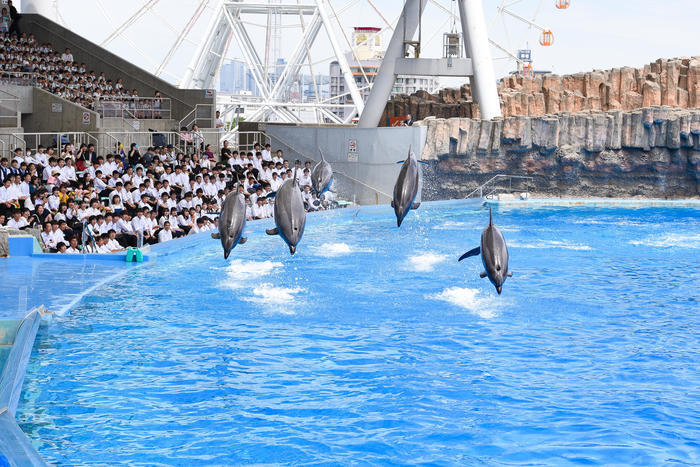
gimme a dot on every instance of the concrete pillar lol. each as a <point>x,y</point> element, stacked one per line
<point>477,46</point>
<point>381,88</point>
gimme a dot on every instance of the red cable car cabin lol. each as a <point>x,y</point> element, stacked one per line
<point>562,4</point>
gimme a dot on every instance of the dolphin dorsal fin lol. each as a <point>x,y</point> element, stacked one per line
<point>490,217</point>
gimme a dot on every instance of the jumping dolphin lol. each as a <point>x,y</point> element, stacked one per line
<point>406,188</point>
<point>231,223</point>
<point>494,255</point>
<point>322,175</point>
<point>290,217</point>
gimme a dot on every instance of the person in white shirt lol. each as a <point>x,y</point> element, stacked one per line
<point>258,209</point>
<point>68,172</point>
<point>112,242</point>
<point>165,234</point>
<point>18,221</point>
<point>73,247</point>
<point>305,179</point>
<point>278,157</point>
<point>266,153</point>
<point>48,237</point>
<point>186,203</point>
<point>57,233</point>
<point>67,56</point>
<point>306,196</point>
<point>276,182</point>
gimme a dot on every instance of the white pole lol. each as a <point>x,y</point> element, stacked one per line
<point>384,81</point>
<point>340,56</point>
<point>477,47</point>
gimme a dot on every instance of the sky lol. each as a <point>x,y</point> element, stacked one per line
<point>590,34</point>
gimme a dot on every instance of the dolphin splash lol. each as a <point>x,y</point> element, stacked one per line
<point>290,217</point>
<point>494,255</point>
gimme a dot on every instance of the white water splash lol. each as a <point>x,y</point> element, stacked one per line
<point>469,299</point>
<point>269,294</point>
<point>425,262</point>
<point>670,240</point>
<point>331,250</point>
<point>240,273</point>
<point>546,244</point>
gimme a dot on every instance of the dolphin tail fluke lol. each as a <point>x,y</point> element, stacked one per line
<point>274,231</point>
<point>472,252</point>
<point>242,240</point>
<point>482,274</point>
<point>415,205</point>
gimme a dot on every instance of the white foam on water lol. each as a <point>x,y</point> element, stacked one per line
<point>331,250</point>
<point>669,240</point>
<point>547,244</point>
<point>425,262</point>
<point>452,225</point>
<point>269,294</point>
<point>469,299</point>
<point>240,272</point>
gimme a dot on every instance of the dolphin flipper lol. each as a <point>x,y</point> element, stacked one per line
<point>392,204</point>
<point>415,205</point>
<point>216,235</point>
<point>242,240</point>
<point>472,252</point>
<point>274,231</point>
<point>482,274</point>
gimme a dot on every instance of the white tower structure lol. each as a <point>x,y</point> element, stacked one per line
<point>273,81</point>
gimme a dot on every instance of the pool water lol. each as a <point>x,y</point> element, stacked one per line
<point>374,345</point>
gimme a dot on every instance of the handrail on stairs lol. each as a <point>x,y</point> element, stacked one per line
<point>492,181</point>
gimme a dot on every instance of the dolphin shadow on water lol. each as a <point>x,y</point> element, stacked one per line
<point>494,255</point>
<point>231,223</point>
<point>290,216</point>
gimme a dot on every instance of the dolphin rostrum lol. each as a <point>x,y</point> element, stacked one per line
<point>494,255</point>
<point>232,222</point>
<point>406,188</point>
<point>290,217</point>
<point>322,175</point>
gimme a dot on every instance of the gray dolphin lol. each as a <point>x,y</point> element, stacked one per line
<point>406,188</point>
<point>290,217</point>
<point>231,223</point>
<point>494,255</point>
<point>322,175</point>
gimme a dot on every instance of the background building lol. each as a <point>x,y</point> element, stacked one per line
<point>365,63</point>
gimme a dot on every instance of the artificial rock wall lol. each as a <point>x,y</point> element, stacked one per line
<point>650,152</point>
<point>668,82</point>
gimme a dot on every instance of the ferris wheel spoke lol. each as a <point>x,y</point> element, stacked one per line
<point>131,20</point>
<point>186,30</point>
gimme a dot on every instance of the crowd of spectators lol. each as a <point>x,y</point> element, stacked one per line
<point>23,58</point>
<point>84,202</point>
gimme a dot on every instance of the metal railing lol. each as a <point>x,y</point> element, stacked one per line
<point>496,185</point>
<point>20,78</point>
<point>57,139</point>
<point>245,140</point>
<point>136,108</point>
<point>10,116</point>
<point>144,139</point>
<point>202,115</point>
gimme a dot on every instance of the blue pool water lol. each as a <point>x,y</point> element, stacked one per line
<point>374,345</point>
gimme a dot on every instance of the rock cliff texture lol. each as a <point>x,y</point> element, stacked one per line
<point>667,82</point>
<point>650,152</point>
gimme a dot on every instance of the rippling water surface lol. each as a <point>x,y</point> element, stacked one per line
<point>374,345</point>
